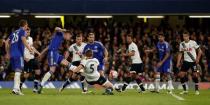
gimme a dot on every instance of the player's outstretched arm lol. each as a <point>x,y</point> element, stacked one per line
<point>23,38</point>
<point>36,51</point>
<point>150,50</point>
<point>45,50</point>
<point>131,53</point>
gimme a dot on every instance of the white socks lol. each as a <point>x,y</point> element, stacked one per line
<point>17,81</point>
<point>170,85</point>
<point>157,84</point>
<point>85,85</point>
<point>46,77</point>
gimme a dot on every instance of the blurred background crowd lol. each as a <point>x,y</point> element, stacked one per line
<point>113,35</point>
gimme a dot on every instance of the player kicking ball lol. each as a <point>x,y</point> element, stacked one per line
<point>54,58</point>
<point>91,73</point>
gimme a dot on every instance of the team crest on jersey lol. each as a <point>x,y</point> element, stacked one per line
<point>95,47</point>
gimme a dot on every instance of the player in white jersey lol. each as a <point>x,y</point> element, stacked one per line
<point>76,49</point>
<point>191,60</point>
<point>30,63</point>
<point>136,70</point>
<point>89,67</point>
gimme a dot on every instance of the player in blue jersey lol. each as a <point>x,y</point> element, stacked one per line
<point>164,64</point>
<point>15,46</point>
<point>99,51</point>
<point>54,58</point>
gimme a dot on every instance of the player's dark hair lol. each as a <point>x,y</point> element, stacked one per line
<point>91,33</point>
<point>67,31</point>
<point>22,23</point>
<point>129,35</point>
<point>161,34</point>
<point>186,32</point>
<point>79,35</point>
<point>89,53</point>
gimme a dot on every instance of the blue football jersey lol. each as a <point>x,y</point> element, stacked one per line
<point>17,46</point>
<point>98,50</point>
<point>163,48</point>
<point>56,41</point>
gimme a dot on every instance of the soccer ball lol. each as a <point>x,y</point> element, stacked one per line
<point>113,74</point>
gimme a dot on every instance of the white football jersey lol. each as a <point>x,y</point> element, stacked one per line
<point>77,51</point>
<point>191,47</point>
<point>27,53</point>
<point>136,58</point>
<point>91,69</point>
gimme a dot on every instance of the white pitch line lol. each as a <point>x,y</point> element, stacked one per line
<point>177,97</point>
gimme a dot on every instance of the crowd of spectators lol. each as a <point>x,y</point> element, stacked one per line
<point>113,36</point>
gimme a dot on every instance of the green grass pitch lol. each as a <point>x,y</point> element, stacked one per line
<point>75,97</point>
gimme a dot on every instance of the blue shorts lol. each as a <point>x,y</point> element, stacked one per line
<point>101,67</point>
<point>17,63</point>
<point>165,68</point>
<point>54,58</point>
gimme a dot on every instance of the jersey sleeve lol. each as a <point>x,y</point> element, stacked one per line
<point>22,33</point>
<point>167,48</point>
<point>32,41</point>
<point>196,46</point>
<point>131,48</point>
<point>101,46</point>
<point>97,61</point>
<point>83,62</point>
<point>71,49</point>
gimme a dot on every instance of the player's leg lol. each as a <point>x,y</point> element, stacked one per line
<point>127,79</point>
<point>25,74</point>
<point>54,59</point>
<point>84,84</point>
<point>68,75</point>
<point>35,67</point>
<point>37,78</point>
<point>170,84</point>
<point>195,77</point>
<point>72,77</point>
<point>101,69</point>
<point>17,65</point>
<point>107,85</point>
<point>67,82</point>
<point>157,81</point>
<point>183,76</point>
<point>23,79</point>
<point>167,72</point>
<point>48,75</point>
<point>138,76</point>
